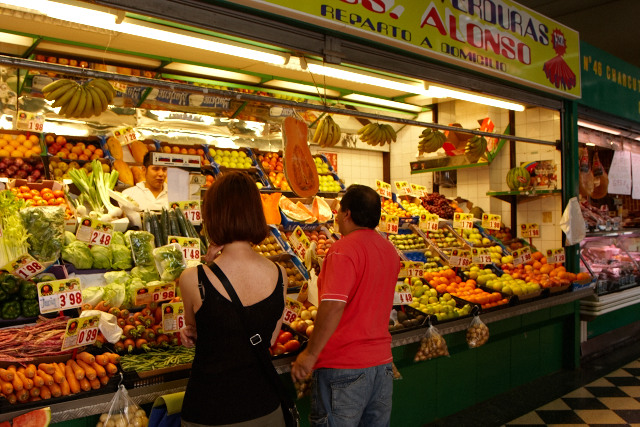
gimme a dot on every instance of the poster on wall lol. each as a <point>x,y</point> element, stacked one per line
<point>620,173</point>
<point>635,172</point>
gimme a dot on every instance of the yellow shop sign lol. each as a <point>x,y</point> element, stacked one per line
<point>497,37</point>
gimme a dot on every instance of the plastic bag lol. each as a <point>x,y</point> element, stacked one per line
<point>431,346</point>
<point>142,244</point>
<point>478,333</point>
<point>123,412</point>
<point>303,387</point>
<point>108,324</point>
<point>169,261</point>
<point>396,374</point>
<point>572,223</point>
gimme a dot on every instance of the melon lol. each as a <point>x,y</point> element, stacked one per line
<point>292,211</point>
<point>312,217</point>
<point>299,167</point>
<point>518,178</point>
<point>321,209</point>
<point>38,418</point>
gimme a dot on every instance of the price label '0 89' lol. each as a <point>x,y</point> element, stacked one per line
<point>80,332</point>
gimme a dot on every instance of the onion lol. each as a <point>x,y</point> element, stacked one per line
<point>21,174</point>
<point>11,170</point>
<point>36,174</point>
<point>30,178</point>
<point>39,166</point>
<point>18,162</point>
<point>26,167</point>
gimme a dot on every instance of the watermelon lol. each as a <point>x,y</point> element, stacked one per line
<point>38,418</point>
<point>292,211</point>
<point>321,209</point>
<point>518,178</point>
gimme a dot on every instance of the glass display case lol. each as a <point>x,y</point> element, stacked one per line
<point>613,258</point>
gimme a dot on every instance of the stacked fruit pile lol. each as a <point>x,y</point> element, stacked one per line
<point>323,242</point>
<point>296,279</point>
<point>62,148</point>
<point>442,306</point>
<point>14,145</point>
<point>236,159</point>
<point>436,203</point>
<point>304,323</point>
<point>31,168</point>
<point>268,247</point>
<point>406,319</point>
<point>393,208</point>
<point>447,281</point>
<point>444,238</point>
<point>321,165</point>
<point>182,149</point>
<point>408,242</point>
<point>285,343</point>
<point>413,208</point>
<point>540,272</point>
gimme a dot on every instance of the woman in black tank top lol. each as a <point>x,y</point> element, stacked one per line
<point>227,385</point>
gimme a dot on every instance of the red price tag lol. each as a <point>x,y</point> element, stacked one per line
<point>30,121</point>
<point>530,230</point>
<point>189,246</point>
<point>289,316</point>
<point>59,295</point>
<point>556,256</point>
<point>67,300</point>
<point>191,254</point>
<point>163,295</point>
<point>480,256</point>
<point>193,216</point>
<point>299,242</point>
<point>125,135</point>
<point>521,256</point>
<point>87,337</point>
<point>491,222</point>
<point>429,222</point>
<point>100,238</point>
<point>191,211</point>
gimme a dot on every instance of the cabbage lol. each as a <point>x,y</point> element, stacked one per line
<point>117,238</point>
<point>133,286</point>
<point>45,225</point>
<point>170,262</point>
<point>145,273</point>
<point>121,257</point>
<point>78,254</point>
<point>101,256</point>
<point>119,277</point>
<point>92,295</point>
<point>69,237</point>
<point>114,294</point>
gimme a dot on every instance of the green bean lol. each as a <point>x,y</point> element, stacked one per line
<point>157,359</point>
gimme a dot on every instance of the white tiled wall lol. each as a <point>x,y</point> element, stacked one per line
<point>356,166</point>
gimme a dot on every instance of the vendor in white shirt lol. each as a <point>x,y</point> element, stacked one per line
<point>151,193</point>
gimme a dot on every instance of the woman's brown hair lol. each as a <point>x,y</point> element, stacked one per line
<point>232,210</point>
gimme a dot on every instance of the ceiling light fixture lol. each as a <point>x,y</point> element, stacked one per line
<point>441,92</point>
<point>212,72</point>
<point>299,87</point>
<point>598,127</point>
<point>69,50</point>
<point>383,102</point>
<point>8,38</point>
<point>85,14</point>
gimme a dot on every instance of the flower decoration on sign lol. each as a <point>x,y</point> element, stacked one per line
<point>556,69</point>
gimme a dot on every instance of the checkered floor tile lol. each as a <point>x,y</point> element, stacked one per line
<point>613,400</point>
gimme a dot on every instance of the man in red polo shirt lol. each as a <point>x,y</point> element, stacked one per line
<point>350,349</point>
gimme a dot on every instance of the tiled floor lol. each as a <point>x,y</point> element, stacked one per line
<point>603,392</point>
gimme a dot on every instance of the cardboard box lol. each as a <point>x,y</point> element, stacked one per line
<point>70,224</point>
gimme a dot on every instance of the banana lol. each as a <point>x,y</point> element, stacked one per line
<point>96,103</point>
<point>79,110</point>
<point>318,132</point>
<point>88,106</point>
<point>73,103</point>
<point>364,128</point>
<point>371,128</point>
<point>391,133</point>
<point>323,135</point>
<point>104,101</point>
<point>65,97</point>
<point>105,86</point>
<point>59,91</point>
<point>338,133</point>
<point>55,85</point>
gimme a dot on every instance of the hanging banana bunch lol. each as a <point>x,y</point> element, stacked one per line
<point>327,132</point>
<point>89,99</point>
<point>431,140</point>
<point>475,148</point>
<point>377,134</point>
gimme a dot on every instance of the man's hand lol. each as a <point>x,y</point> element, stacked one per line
<point>302,366</point>
<point>188,336</point>
<point>212,253</point>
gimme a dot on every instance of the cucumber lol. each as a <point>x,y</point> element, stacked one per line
<point>153,219</point>
<point>181,222</point>
<point>173,224</point>
<point>164,224</point>
<point>146,225</point>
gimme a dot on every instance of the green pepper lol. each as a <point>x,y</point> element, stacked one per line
<point>10,284</point>
<point>30,308</point>
<point>3,295</point>
<point>10,310</point>
<point>28,290</point>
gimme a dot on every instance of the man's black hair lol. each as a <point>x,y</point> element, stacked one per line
<point>147,160</point>
<point>364,204</point>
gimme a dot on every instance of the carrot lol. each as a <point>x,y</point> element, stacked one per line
<point>23,395</point>
<point>95,383</point>
<point>115,311</point>
<point>86,357</point>
<point>100,340</point>
<point>17,383</point>
<point>100,371</point>
<point>85,385</point>
<point>111,369</point>
<point>55,390</point>
<point>77,370</point>
<point>58,373</point>
<point>47,367</point>
<point>12,368</point>
<point>27,382</point>
<point>119,346</point>
<point>113,358</point>
<point>11,398</point>
<point>90,373</point>
<point>86,307</point>
<point>38,381</point>
<point>74,385</point>
<point>65,389</point>
<point>34,392</point>
<point>45,393</point>
<point>6,387</point>
<point>6,375</point>
<point>142,344</point>
<point>48,379</point>
<point>34,398</point>
<point>102,306</point>
<point>104,380</point>
<point>30,370</point>
<point>129,331</point>
<point>102,360</point>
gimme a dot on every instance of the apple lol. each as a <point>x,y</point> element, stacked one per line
<point>309,330</point>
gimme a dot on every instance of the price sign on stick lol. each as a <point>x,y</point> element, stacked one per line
<point>80,332</point>
<point>299,242</point>
<point>521,256</point>
<point>418,190</point>
<point>463,220</point>
<point>403,188</point>
<point>429,222</point>
<point>94,232</point>
<point>191,211</point>
<point>459,258</point>
<point>491,222</point>
<point>57,295</point>
<point>25,266</point>
<point>125,135</point>
<point>530,230</point>
<point>403,294</point>
<point>383,189</point>
<point>30,122</point>
<point>156,293</point>
<point>555,256</point>
<point>292,309</point>
<point>389,224</point>
<point>172,316</point>
<point>480,256</point>
<point>190,247</point>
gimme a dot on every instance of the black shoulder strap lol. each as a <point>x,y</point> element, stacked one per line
<point>259,345</point>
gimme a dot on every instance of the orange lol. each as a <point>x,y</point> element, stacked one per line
<point>537,265</point>
<point>175,150</point>
<point>16,153</point>
<point>34,139</point>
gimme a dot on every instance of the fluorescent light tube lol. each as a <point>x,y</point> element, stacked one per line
<point>598,127</point>
<point>382,102</point>
<point>299,87</point>
<point>15,39</point>
<point>212,72</point>
<point>441,92</point>
<point>69,50</point>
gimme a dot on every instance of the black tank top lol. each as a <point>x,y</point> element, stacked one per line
<point>227,384</point>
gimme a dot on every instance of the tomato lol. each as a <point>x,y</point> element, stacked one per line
<point>52,202</point>
<point>284,336</point>
<point>58,193</point>
<point>24,189</point>
<point>293,345</point>
<point>35,192</point>
<point>60,201</point>
<point>41,202</point>
<point>27,196</point>
<point>30,203</point>
<point>47,195</point>
<point>14,190</point>
<point>277,349</point>
<point>36,198</point>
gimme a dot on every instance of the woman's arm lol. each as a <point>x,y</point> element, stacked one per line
<point>190,293</point>
<point>285,282</point>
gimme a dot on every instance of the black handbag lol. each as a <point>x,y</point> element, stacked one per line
<point>289,410</point>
